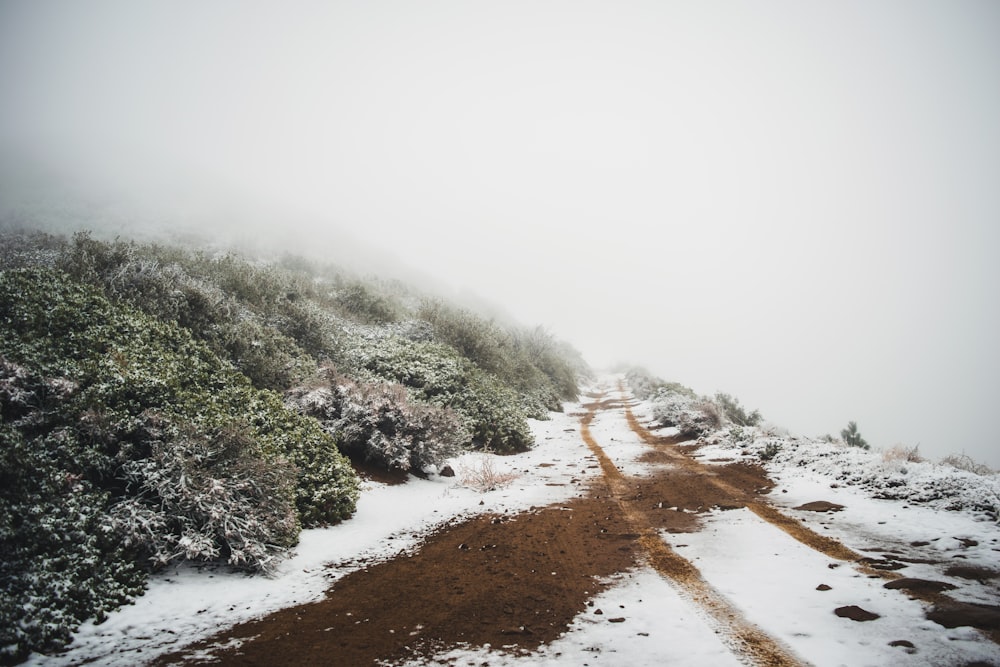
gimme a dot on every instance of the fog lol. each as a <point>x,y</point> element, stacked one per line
<point>797,203</point>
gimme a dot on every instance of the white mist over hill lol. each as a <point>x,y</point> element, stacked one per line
<point>795,204</point>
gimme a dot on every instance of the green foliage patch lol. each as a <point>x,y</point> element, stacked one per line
<point>438,374</point>
<point>134,439</point>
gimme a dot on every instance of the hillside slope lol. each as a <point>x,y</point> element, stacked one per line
<point>163,404</point>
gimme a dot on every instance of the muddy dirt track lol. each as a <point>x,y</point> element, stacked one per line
<point>518,581</point>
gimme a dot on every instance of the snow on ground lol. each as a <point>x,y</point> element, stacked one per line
<point>643,621</point>
<point>186,603</point>
<point>773,579</point>
<point>765,573</point>
<point>611,431</point>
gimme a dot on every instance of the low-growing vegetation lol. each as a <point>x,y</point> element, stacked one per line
<point>380,424</point>
<point>735,413</point>
<point>852,436</point>
<point>163,404</point>
<point>968,464</point>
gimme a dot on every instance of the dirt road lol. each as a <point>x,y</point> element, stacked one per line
<point>518,581</point>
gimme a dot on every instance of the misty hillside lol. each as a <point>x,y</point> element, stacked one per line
<point>162,403</point>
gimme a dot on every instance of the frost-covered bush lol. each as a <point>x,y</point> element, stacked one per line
<point>644,385</point>
<point>734,412</point>
<point>363,303</point>
<point>136,441</point>
<point>59,562</point>
<point>437,374</point>
<point>852,436</point>
<point>206,498</point>
<point>967,463</point>
<point>691,416</point>
<point>252,316</point>
<point>542,370</point>
<point>379,423</point>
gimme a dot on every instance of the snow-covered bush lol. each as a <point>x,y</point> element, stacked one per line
<point>363,303</point>
<point>692,417</point>
<point>734,412</point>
<point>542,370</point>
<point>436,373</point>
<point>59,563</point>
<point>94,480</point>
<point>644,385</point>
<point>379,423</point>
<point>968,464</point>
<point>852,436</point>
<point>206,498</point>
<point>249,315</point>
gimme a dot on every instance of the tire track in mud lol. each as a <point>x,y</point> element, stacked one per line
<point>748,642</point>
<point>796,529</point>
<point>946,608</point>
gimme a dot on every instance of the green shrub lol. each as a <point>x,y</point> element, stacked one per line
<point>646,386</point>
<point>734,412</point>
<point>542,370</point>
<point>255,317</point>
<point>59,565</point>
<point>364,304</point>
<point>436,373</point>
<point>852,436</point>
<point>770,450</point>
<point>379,423</point>
<point>127,444</point>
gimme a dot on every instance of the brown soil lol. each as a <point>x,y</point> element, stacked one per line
<point>516,582</point>
<point>497,579</point>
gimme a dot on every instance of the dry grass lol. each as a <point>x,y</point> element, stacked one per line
<point>903,453</point>
<point>483,475</point>
<point>968,464</point>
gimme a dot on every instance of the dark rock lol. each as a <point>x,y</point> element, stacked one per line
<point>882,563</point>
<point>824,587</point>
<point>919,585</point>
<point>820,506</point>
<point>447,471</point>
<point>902,642</point>
<point>978,573</point>
<point>953,614</point>
<point>598,611</point>
<point>855,613</point>
<point>620,619</point>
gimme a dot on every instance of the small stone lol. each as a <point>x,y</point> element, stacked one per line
<point>820,506</point>
<point>620,619</point>
<point>447,471</point>
<point>598,611</point>
<point>824,587</point>
<point>902,642</point>
<point>855,613</point>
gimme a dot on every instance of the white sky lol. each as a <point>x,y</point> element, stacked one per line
<point>794,202</point>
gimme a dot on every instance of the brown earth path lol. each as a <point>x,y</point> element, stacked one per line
<point>516,582</point>
<point>943,608</point>
<point>748,641</point>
